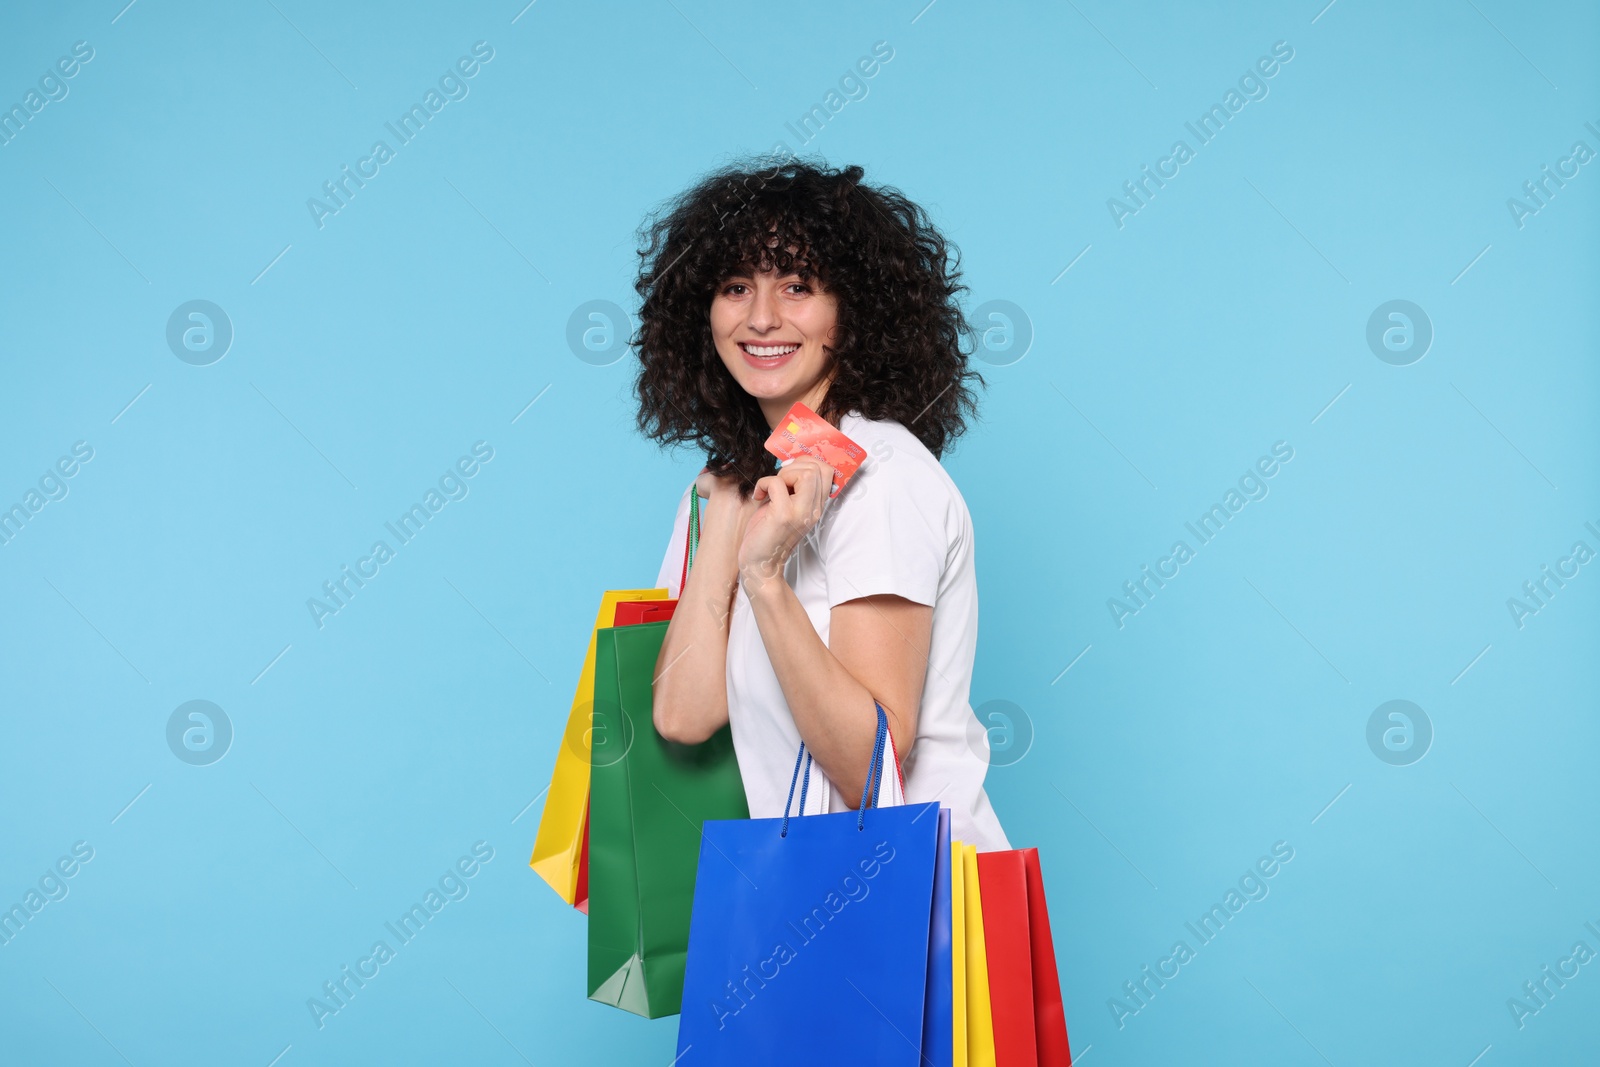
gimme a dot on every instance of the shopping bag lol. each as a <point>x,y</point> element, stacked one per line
<point>958,954</point>
<point>979,1022</point>
<point>560,851</point>
<point>811,937</point>
<point>647,800</point>
<point>629,613</point>
<point>635,612</point>
<point>1050,1017</point>
<point>1030,1027</point>
<point>937,1034</point>
<point>580,895</point>
<point>558,848</point>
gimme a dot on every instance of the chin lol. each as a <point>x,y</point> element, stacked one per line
<point>769,390</point>
<point>763,387</point>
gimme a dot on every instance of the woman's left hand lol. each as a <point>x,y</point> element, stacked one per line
<point>790,506</point>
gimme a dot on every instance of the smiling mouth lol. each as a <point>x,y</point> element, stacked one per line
<point>776,351</point>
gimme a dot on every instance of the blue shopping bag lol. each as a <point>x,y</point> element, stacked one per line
<point>821,939</point>
<point>938,1019</point>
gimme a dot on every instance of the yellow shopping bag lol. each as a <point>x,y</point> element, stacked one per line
<point>558,850</point>
<point>974,1025</point>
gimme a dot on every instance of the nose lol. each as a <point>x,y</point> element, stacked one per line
<point>764,309</point>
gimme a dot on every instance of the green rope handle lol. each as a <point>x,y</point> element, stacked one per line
<point>693,544</point>
<point>694,524</point>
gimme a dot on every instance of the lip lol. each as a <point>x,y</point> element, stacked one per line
<point>768,362</point>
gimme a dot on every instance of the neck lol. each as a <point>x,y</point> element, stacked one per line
<point>775,409</point>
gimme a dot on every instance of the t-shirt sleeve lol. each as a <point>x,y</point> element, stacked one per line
<point>671,573</point>
<point>891,536</point>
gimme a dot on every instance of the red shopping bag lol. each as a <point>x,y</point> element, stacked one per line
<point>1030,1026</point>
<point>634,612</point>
<point>580,896</point>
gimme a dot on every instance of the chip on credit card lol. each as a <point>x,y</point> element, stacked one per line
<point>802,432</point>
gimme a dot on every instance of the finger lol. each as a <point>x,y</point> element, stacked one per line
<point>785,481</point>
<point>769,486</point>
<point>806,481</point>
<point>811,482</point>
<point>800,501</point>
<point>817,466</point>
<point>795,469</point>
<point>819,495</point>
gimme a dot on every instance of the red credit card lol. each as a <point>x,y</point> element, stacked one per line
<point>802,432</point>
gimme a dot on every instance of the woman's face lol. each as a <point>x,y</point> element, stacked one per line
<point>772,333</point>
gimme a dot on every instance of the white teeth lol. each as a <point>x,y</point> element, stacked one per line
<point>770,350</point>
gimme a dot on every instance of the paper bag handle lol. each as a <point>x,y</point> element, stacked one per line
<point>869,788</point>
<point>691,543</point>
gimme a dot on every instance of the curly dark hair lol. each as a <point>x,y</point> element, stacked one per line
<point>902,343</point>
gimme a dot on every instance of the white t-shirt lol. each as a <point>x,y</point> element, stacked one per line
<point>899,526</point>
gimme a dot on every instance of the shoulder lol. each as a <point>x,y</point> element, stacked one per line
<point>898,525</point>
<point>680,520</point>
<point>896,456</point>
<point>899,473</point>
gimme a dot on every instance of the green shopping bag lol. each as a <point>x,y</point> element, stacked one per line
<point>647,800</point>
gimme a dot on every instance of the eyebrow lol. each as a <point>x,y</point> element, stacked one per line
<point>803,275</point>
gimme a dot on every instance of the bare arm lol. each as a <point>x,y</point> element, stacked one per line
<point>879,644</point>
<point>879,649</point>
<point>690,690</point>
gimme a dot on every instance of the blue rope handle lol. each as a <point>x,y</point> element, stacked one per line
<point>869,788</point>
<point>803,754</point>
<point>805,784</point>
<point>875,769</point>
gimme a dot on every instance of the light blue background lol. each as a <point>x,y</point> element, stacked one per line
<point>425,316</point>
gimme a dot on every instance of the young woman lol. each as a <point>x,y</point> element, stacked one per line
<point>797,283</point>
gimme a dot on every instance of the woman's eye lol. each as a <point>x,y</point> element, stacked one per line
<point>730,288</point>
